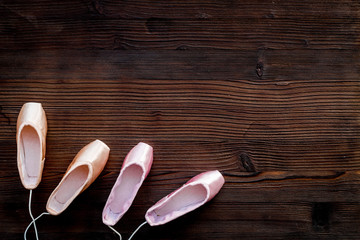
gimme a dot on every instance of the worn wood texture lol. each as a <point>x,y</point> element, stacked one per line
<point>267,92</point>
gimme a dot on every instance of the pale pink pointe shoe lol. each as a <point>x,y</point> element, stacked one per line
<point>193,194</point>
<point>31,143</point>
<point>133,172</point>
<point>83,170</point>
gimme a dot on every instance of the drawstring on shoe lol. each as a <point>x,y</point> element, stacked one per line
<point>115,231</point>
<point>137,229</point>
<point>33,219</point>
<point>131,234</point>
<point>46,213</point>
<point>33,222</point>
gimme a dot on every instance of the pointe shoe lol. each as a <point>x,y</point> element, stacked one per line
<point>83,170</point>
<point>134,170</point>
<point>193,194</point>
<point>31,132</point>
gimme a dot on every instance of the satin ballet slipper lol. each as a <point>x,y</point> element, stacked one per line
<point>83,170</point>
<point>193,194</point>
<point>31,132</point>
<point>134,170</point>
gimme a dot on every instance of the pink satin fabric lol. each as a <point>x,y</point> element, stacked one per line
<point>193,194</point>
<point>135,169</point>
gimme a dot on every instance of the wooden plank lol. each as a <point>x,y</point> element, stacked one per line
<point>24,27</point>
<point>279,68</point>
<point>175,9</point>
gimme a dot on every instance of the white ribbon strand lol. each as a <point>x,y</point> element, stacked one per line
<point>137,229</point>
<point>33,219</point>
<point>115,231</point>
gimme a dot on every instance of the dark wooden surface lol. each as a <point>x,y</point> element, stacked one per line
<point>267,92</point>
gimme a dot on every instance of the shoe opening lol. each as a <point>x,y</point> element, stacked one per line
<point>69,188</point>
<point>124,193</point>
<point>178,204</point>
<point>30,154</point>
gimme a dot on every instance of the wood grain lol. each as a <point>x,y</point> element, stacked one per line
<point>265,91</point>
<point>214,24</point>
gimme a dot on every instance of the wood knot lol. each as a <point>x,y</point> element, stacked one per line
<point>306,42</point>
<point>259,69</point>
<point>5,116</point>
<point>246,162</point>
<point>119,43</point>
<point>156,115</point>
<point>158,25</point>
<point>321,212</point>
<point>182,47</point>
<point>97,7</point>
<point>270,15</point>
